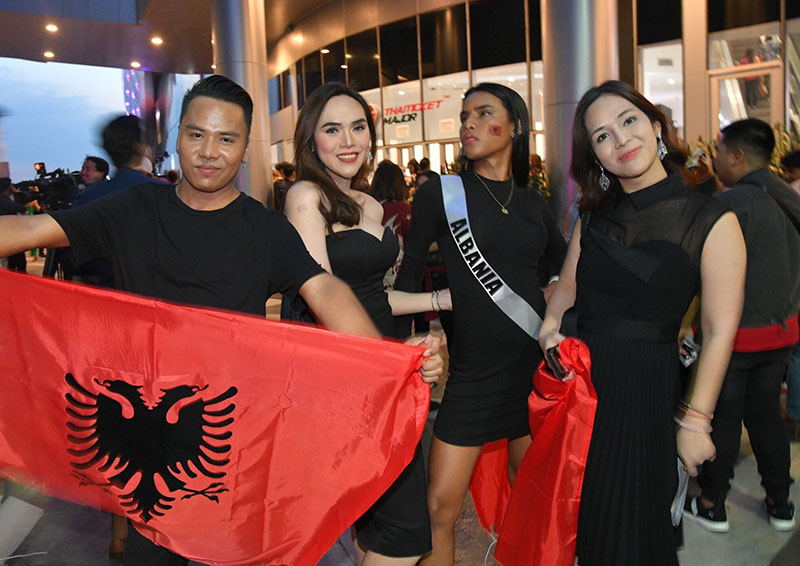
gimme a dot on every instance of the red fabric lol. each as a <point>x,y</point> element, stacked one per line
<point>317,428</point>
<point>541,522</point>
<point>764,338</point>
<point>490,487</point>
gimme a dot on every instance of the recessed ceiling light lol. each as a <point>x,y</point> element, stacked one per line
<point>51,27</point>
<point>49,54</point>
<point>348,56</point>
<point>155,40</point>
<point>213,66</point>
<point>135,64</point>
<point>343,66</point>
<point>324,51</point>
<point>376,56</point>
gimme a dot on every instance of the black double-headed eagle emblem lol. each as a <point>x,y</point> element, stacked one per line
<point>180,435</point>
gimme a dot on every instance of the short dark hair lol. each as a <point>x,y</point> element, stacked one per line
<point>753,136</point>
<point>122,139</point>
<point>388,182</point>
<point>791,159</point>
<point>99,163</point>
<point>221,88</point>
<point>5,182</point>
<point>518,115</point>
<point>286,169</point>
<point>583,166</point>
<point>173,176</point>
<point>424,164</point>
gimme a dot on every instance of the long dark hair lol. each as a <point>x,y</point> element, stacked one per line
<point>388,183</point>
<point>336,206</point>
<point>518,115</point>
<point>584,168</point>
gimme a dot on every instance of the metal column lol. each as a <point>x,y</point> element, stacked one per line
<point>238,29</point>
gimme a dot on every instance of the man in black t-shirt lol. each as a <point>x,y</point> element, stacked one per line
<point>202,242</point>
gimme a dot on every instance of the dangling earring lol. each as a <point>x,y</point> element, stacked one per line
<point>461,154</point>
<point>604,181</point>
<point>369,156</point>
<point>661,149</point>
<point>244,162</point>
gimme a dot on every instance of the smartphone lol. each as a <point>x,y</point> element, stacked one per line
<point>554,362</point>
<point>692,349</point>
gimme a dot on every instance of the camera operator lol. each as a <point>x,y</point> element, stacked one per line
<point>15,262</point>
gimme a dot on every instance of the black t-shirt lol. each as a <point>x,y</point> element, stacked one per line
<point>232,258</point>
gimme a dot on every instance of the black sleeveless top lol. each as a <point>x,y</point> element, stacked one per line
<point>361,260</point>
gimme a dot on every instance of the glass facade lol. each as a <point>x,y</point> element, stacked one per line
<point>414,72</point>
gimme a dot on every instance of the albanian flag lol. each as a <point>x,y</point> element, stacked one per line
<point>229,439</point>
<point>537,520</point>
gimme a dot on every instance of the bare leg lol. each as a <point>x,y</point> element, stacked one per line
<point>450,470</point>
<point>516,451</point>
<point>375,559</point>
<point>119,533</point>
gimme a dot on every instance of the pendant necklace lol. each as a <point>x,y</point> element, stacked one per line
<point>502,206</point>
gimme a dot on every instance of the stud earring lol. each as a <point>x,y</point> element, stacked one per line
<point>605,182</point>
<point>244,162</point>
<point>661,149</point>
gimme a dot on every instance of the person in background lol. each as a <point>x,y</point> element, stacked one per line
<point>94,170</point>
<point>791,169</point>
<point>767,333</point>
<point>508,229</point>
<point>282,184</point>
<point>643,246</point>
<point>413,170</point>
<point>172,176</point>
<point>16,261</point>
<point>390,190</point>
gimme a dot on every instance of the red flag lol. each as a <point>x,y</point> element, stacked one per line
<point>541,522</point>
<point>229,439</point>
<point>489,486</point>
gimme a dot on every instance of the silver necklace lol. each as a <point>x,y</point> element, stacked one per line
<point>502,206</point>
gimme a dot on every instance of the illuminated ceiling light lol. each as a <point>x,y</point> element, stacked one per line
<point>376,56</point>
<point>135,64</point>
<point>401,92</point>
<point>671,81</point>
<point>155,40</point>
<point>343,66</point>
<point>49,54</point>
<point>51,28</point>
<point>348,56</point>
<point>213,66</point>
<point>324,51</point>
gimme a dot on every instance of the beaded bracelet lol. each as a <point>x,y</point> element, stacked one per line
<point>680,423</point>
<point>435,301</point>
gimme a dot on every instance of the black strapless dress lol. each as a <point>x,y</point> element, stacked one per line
<point>398,524</point>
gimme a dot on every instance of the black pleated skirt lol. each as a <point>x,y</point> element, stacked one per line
<point>630,476</point>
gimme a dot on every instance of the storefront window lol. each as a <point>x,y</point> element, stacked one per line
<point>312,72</point>
<point>333,61</point>
<point>442,96</point>
<point>731,14</point>
<point>362,60</point>
<point>399,52</point>
<point>658,21</point>
<point>373,98</point>
<point>751,44</point>
<point>273,94</point>
<point>537,92</point>
<point>402,113</point>
<point>662,78</point>
<point>793,58</point>
<point>497,32</point>
<point>513,76</point>
<point>443,39</point>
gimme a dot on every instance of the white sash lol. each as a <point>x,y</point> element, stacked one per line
<point>514,306</point>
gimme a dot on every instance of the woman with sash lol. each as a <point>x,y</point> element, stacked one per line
<point>644,245</point>
<point>501,246</point>
<point>342,228</point>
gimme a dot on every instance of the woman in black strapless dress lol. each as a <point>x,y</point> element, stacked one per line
<point>342,229</point>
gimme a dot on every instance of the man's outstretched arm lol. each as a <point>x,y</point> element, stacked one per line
<point>20,233</point>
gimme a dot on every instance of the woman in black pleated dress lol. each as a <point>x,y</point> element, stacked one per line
<point>644,246</point>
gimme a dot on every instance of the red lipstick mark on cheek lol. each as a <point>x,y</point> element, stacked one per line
<point>496,130</point>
